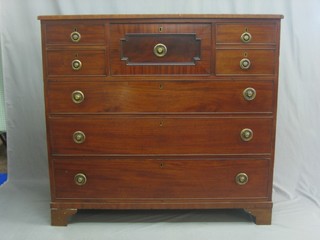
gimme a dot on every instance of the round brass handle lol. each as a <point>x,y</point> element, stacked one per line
<point>160,50</point>
<point>249,94</point>
<point>79,137</point>
<point>80,179</point>
<point>246,37</point>
<point>242,178</point>
<point>246,134</point>
<point>77,96</point>
<point>75,36</point>
<point>76,65</point>
<point>245,63</point>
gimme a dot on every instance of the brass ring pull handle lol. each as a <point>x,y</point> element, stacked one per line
<point>245,63</point>
<point>246,37</point>
<point>76,65</point>
<point>75,36</point>
<point>160,50</point>
<point>246,134</point>
<point>80,179</point>
<point>242,179</point>
<point>79,137</point>
<point>77,96</point>
<point>249,94</point>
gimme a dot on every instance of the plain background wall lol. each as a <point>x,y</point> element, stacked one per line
<point>2,111</point>
<point>297,165</point>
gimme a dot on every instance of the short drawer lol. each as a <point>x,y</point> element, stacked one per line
<point>248,33</point>
<point>75,32</point>
<point>245,62</point>
<point>161,97</point>
<point>99,135</point>
<point>164,48</point>
<point>156,178</point>
<point>76,62</point>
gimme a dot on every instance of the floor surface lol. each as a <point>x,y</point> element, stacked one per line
<point>25,214</point>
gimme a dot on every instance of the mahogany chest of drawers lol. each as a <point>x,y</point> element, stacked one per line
<point>161,111</point>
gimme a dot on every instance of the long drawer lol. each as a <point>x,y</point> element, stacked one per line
<point>96,135</point>
<point>161,96</point>
<point>156,178</point>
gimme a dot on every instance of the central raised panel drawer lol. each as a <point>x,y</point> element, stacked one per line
<point>163,48</point>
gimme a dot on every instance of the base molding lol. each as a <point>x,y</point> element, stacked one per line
<point>62,211</point>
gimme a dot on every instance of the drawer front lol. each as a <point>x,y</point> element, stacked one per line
<point>160,97</point>
<point>228,62</point>
<point>159,178</point>
<point>160,49</point>
<point>158,135</point>
<point>255,33</point>
<point>75,32</point>
<point>76,62</point>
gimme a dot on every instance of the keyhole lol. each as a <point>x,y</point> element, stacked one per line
<point>161,123</point>
<point>246,29</point>
<point>162,165</point>
<point>76,55</point>
<point>161,86</point>
<point>245,54</point>
<point>160,29</point>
